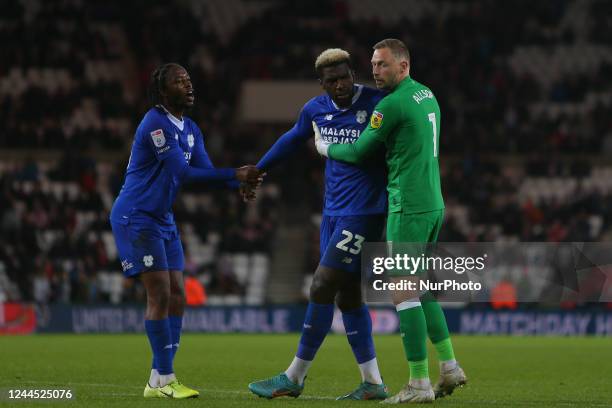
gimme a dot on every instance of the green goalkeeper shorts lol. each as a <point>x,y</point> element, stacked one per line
<point>417,229</point>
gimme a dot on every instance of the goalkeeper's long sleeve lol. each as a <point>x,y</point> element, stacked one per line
<point>357,152</point>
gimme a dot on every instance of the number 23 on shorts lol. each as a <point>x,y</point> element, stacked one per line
<point>343,244</point>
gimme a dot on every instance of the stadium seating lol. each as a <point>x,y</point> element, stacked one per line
<point>525,127</point>
<point>69,248</point>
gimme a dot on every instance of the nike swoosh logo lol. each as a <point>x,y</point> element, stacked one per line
<point>171,395</point>
<point>169,346</point>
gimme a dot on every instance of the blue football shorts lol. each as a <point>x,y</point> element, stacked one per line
<point>342,239</point>
<point>147,247</point>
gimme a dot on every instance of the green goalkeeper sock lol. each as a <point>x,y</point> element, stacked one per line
<point>419,370</point>
<point>437,328</point>
<point>445,350</point>
<point>414,338</point>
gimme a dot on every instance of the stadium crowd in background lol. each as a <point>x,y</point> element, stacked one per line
<point>525,125</point>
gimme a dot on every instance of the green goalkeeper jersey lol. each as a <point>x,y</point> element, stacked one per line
<point>407,122</point>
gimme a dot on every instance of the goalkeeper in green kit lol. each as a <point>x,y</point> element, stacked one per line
<point>407,123</point>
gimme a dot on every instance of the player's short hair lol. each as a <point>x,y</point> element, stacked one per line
<point>397,47</point>
<point>332,57</point>
<point>158,81</point>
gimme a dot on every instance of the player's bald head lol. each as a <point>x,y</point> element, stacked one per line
<point>332,57</point>
<point>390,63</point>
<point>397,47</point>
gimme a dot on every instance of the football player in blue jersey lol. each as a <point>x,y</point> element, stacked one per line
<point>168,150</point>
<point>354,208</point>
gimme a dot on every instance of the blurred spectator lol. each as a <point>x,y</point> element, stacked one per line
<point>194,291</point>
<point>503,295</point>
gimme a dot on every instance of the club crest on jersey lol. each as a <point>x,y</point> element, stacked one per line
<point>158,138</point>
<point>190,140</point>
<point>376,119</point>
<point>361,116</point>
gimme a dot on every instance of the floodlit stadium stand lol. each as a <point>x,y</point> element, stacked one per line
<point>526,130</point>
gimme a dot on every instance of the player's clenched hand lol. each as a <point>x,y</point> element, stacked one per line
<point>250,174</point>
<point>320,144</point>
<point>247,192</point>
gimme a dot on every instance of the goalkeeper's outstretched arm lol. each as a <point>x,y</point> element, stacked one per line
<point>352,153</point>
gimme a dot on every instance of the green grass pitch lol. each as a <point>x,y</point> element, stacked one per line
<point>111,370</point>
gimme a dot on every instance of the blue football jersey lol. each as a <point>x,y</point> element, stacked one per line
<point>150,188</point>
<point>349,189</point>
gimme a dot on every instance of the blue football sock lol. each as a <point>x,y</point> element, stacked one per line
<point>160,339</point>
<point>176,324</point>
<point>317,323</point>
<point>358,326</point>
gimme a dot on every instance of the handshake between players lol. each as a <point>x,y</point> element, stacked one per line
<point>250,178</point>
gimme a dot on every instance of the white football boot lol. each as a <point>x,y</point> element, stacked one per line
<point>449,380</point>
<point>412,395</point>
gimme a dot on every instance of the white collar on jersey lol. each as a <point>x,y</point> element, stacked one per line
<point>179,123</point>
<point>355,97</point>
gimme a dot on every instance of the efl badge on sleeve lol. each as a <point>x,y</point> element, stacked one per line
<point>376,119</point>
<point>158,138</point>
